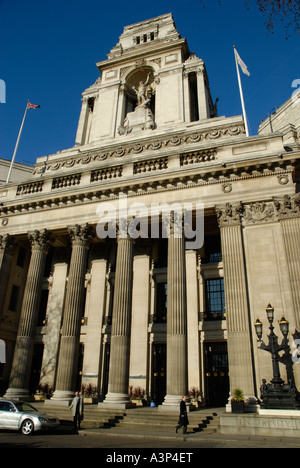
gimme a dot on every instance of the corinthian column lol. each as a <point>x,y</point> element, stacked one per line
<point>20,373</point>
<point>121,322</point>
<point>177,381</point>
<point>288,210</point>
<point>7,251</point>
<point>70,335</point>
<point>237,313</point>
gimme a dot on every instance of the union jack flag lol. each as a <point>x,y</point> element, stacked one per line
<point>32,106</point>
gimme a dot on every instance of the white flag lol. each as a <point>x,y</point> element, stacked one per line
<point>241,63</point>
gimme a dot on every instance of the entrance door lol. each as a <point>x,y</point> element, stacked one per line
<point>216,374</point>
<point>158,381</point>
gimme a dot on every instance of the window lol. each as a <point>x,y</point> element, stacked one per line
<point>162,303</point>
<point>21,257</point>
<point>212,246</point>
<point>194,111</point>
<point>43,308</point>
<point>215,299</point>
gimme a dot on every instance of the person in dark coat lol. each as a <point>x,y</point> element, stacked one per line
<point>183,418</point>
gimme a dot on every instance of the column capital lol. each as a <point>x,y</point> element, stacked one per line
<point>288,207</point>
<point>80,235</point>
<point>229,215</point>
<point>39,240</point>
<point>7,243</point>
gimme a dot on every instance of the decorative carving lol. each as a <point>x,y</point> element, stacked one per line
<point>176,140</point>
<point>227,187</point>
<point>39,240</point>
<point>259,212</point>
<point>288,207</point>
<point>229,215</point>
<point>80,235</point>
<point>283,179</point>
<point>7,243</point>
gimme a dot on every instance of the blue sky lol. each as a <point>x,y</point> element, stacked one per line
<point>50,48</point>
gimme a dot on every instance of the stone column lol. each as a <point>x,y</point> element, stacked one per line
<point>236,300</point>
<point>177,379</point>
<point>7,251</point>
<point>288,211</point>
<point>139,348</point>
<point>192,319</point>
<point>57,285</point>
<point>20,373</point>
<point>121,321</point>
<point>203,107</point>
<point>70,334</point>
<point>186,97</point>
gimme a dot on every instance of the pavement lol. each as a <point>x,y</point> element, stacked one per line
<point>216,440</point>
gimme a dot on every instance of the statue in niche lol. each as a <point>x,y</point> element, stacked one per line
<point>142,117</point>
<point>141,92</point>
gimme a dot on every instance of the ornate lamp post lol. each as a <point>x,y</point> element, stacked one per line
<point>277,394</point>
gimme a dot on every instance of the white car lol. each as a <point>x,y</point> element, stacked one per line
<point>19,415</point>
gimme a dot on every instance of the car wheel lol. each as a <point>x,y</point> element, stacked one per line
<point>27,427</point>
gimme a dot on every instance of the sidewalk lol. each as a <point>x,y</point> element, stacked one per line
<point>197,439</point>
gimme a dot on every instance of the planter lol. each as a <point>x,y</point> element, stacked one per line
<point>137,402</point>
<point>237,407</point>
<point>39,397</point>
<point>89,400</point>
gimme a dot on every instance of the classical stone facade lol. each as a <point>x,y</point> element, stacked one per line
<point>141,257</point>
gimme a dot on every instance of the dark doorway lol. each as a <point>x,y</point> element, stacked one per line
<point>79,367</point>
<point>216,374</point>
<point>158,385</point>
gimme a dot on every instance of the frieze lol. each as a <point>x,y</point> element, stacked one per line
<point>137,148</point>
<point>229,215</point>
<point>288,207</point>
<point>259,212</point>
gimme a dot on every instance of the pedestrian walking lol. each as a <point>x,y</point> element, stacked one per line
<point>183,418</point>
<point>77,410</point>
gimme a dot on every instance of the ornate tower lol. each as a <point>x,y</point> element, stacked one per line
<point>149,82</point>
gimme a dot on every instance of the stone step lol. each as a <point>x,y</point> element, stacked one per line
<point>136,419</point>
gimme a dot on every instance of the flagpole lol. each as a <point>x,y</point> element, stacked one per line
<point>241,93</point>
<point>17,144</point>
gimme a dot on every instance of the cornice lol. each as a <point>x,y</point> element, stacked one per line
<point>153,183</point>
<point>144,50</point>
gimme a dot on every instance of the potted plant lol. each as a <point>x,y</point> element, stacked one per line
<point>89,393</point>
<point>44,391</point>
<point>137,395</point>
<point>237,401</point>
<point>195,396</point>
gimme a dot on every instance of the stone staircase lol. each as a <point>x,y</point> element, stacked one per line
<point>154,420</point>
<point>140,420</point>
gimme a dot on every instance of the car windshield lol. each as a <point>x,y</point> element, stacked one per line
<point>25,407</point>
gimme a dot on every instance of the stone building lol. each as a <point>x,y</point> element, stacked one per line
<point>142,256</point>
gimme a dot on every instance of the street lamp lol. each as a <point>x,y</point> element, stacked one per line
<point>277,394</point>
